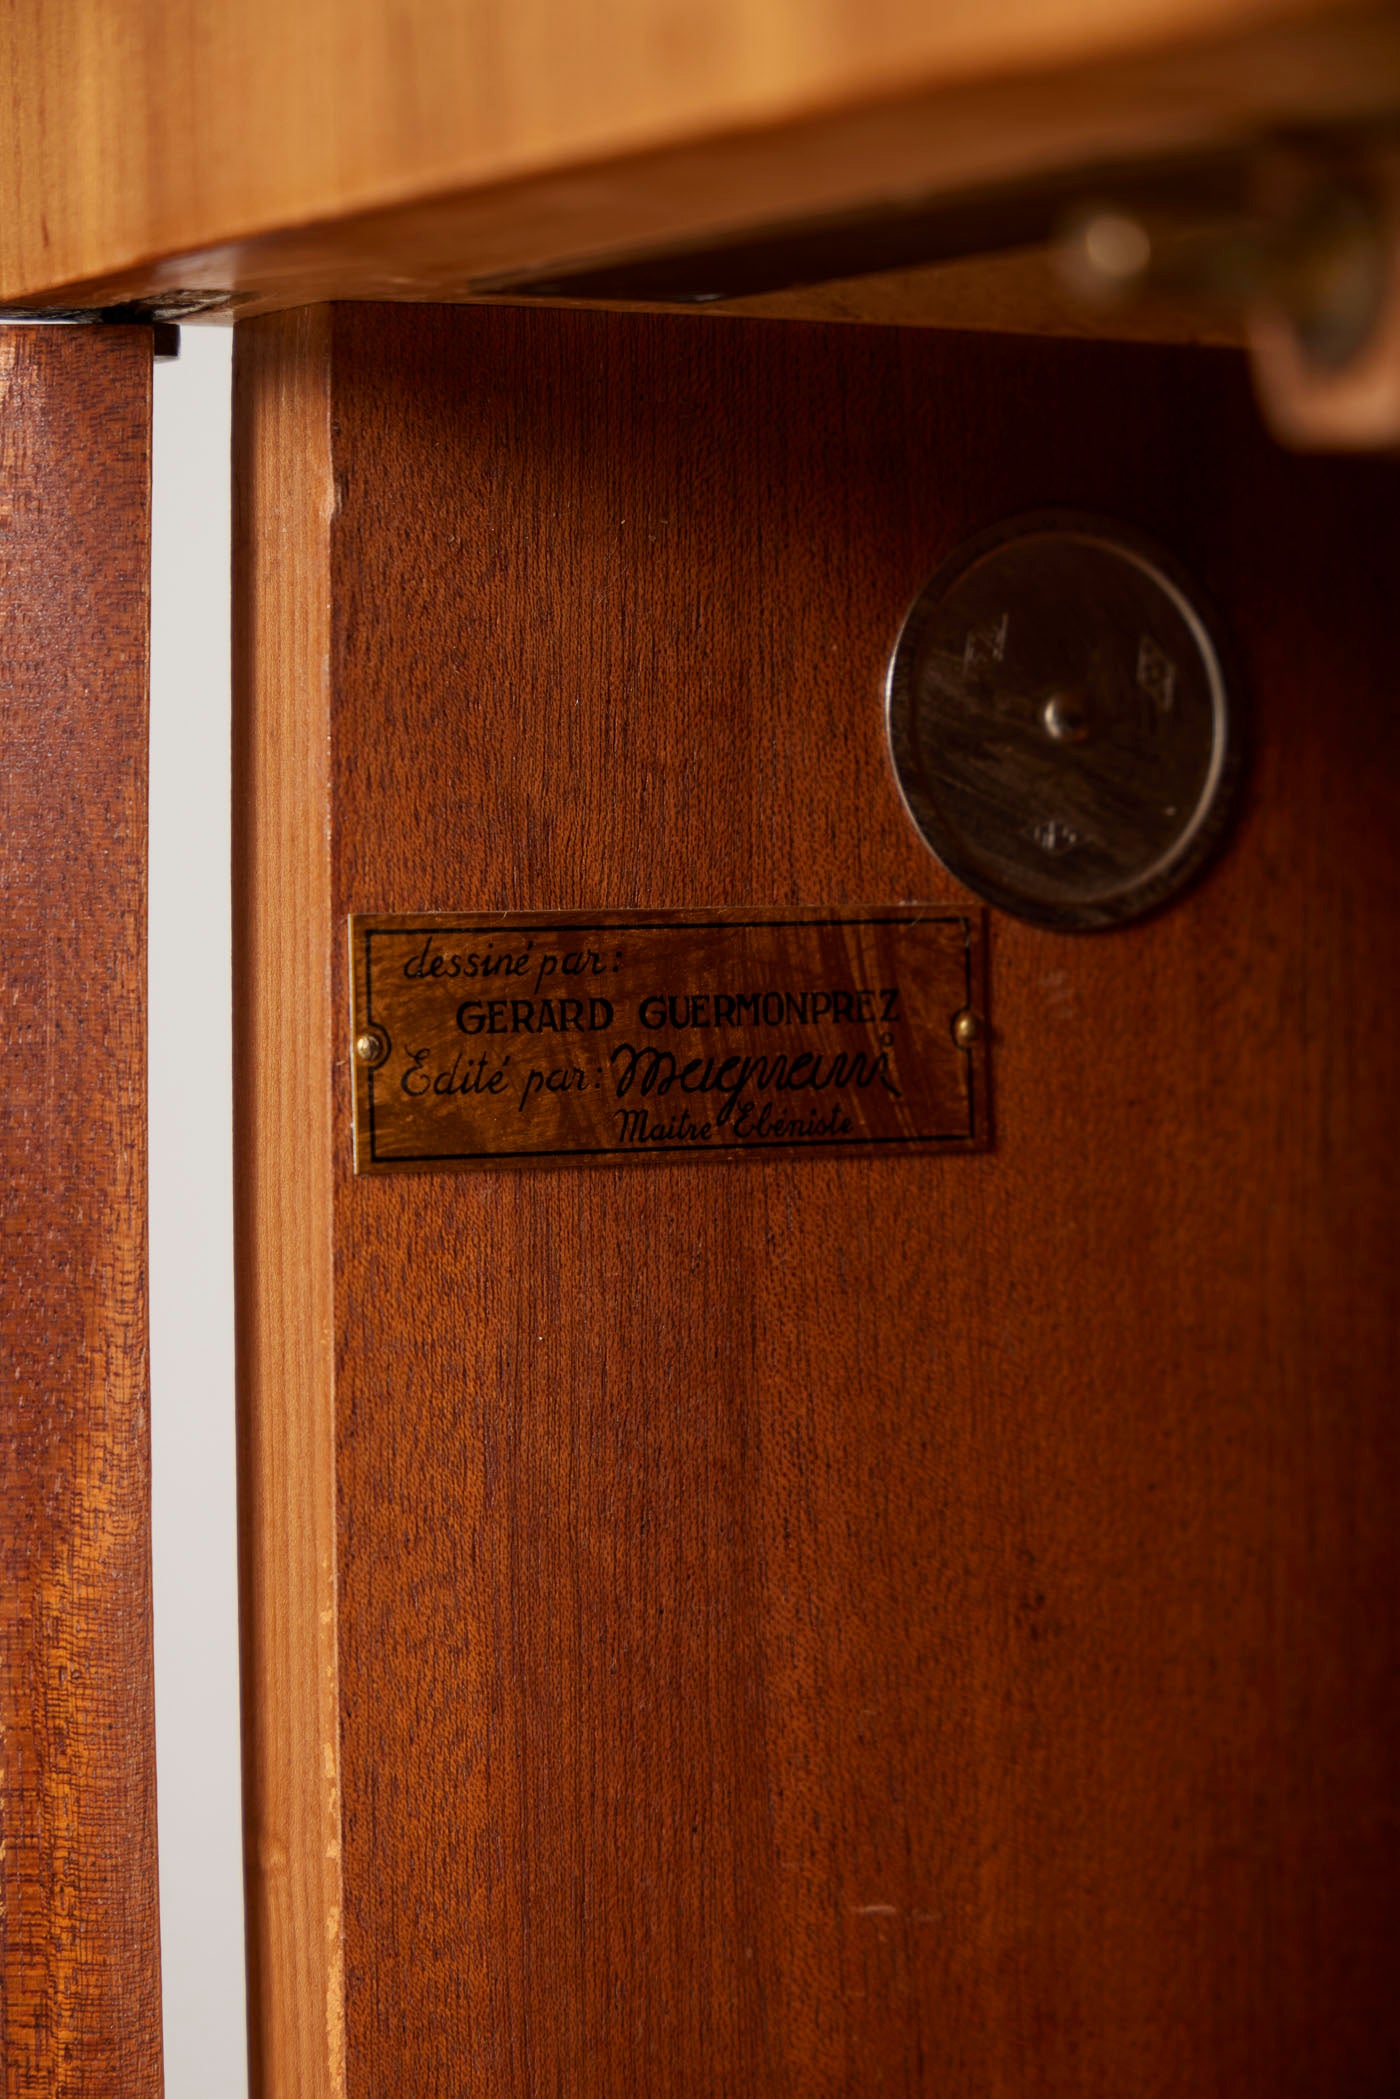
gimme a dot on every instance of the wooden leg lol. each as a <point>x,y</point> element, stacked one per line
<point>79,1959</point>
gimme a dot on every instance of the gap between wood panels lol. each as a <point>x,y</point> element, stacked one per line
<point>194,1531</point>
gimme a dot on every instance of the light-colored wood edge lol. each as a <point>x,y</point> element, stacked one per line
<point>146,131</point>
<point>934,139</point>
<point>283,503</point>
<point>1021,292</point>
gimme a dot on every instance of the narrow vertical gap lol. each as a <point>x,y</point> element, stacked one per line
<point>194,1530</point>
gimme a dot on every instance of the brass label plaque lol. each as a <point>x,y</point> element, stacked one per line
<point>608,1036</point>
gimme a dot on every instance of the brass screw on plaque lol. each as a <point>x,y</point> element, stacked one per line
<point>371,1048</point>
<point>967,1029</point>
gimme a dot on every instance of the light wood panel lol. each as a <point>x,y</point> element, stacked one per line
<point>915,1627</point>
<point>284,1147</point>
<point>281,154</point>
<point>79,1948</point>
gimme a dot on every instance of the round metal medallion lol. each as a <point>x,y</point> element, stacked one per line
<point>1060,725</point>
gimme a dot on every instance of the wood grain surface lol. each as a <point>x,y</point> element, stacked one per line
<point>284,1147</point>
<point>904,1627</point>
<point>347,149</point>
<point>79,1948</point>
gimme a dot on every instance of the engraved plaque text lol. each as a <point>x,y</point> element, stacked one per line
<point>487,1041</point>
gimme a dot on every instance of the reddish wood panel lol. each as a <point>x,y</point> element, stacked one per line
<point>79,1957</point>
<point>810,1627</point>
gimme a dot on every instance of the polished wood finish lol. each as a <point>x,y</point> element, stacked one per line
<point>79,1952</point>
<point>916,1626</point>
<point>341,149</point>
<point>283,504</point>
